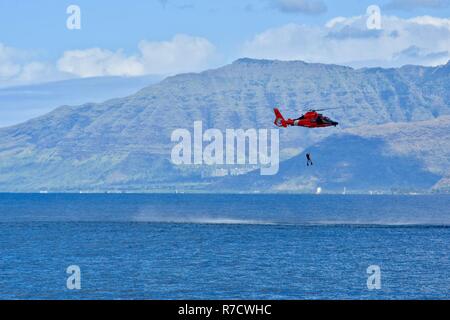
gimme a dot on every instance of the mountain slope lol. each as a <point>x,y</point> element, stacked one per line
<point>125,143</point>
<point>404,157</point>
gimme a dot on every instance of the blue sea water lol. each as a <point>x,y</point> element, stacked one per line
<point>224,246</point>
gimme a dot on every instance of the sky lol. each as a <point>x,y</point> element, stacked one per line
<point>139,37</point>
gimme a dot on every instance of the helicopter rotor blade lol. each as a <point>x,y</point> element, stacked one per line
<point>325,109</point>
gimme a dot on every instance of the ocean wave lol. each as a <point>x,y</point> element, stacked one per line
<point>193,219</point>
<point>200,220</point>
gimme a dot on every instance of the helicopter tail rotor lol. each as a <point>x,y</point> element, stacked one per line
<point>279,120</point>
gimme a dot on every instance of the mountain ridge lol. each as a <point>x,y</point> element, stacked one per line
<point>125,143</point>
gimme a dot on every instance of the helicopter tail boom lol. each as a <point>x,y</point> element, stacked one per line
<point>279,120</point>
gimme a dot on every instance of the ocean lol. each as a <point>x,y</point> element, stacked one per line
<point>185,246</point>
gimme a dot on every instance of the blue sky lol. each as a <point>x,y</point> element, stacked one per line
<point>134,37</point>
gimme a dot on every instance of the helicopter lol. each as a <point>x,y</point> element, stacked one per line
<point>311,119</point>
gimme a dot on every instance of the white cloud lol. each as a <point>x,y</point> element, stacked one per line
<point>18,67</point>
<point>342,40</point>
<point>183,53</point>
<point>302,6</point>
<point>341,21</point>
<point>99,62</point>
<point>8,66</point>
<point>421,40</point>
<point>433,21</point>
<point>409,5</point>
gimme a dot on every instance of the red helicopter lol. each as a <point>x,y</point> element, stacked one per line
<point>311,119</point>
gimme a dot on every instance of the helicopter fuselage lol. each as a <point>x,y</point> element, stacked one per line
<point>311,119</point>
